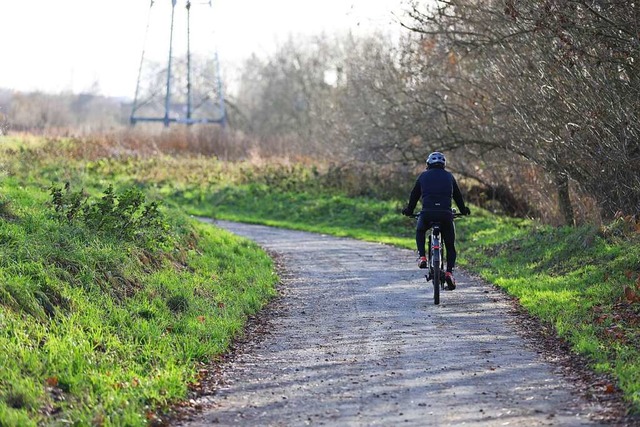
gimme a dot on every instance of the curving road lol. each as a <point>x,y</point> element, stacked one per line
<point>359,342</point>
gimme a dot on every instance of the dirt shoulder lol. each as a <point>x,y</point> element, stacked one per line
<point>354,339</point>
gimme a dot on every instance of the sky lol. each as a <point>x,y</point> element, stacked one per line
<point>96,45</point>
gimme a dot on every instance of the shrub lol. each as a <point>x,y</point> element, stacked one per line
<point>124,216</point>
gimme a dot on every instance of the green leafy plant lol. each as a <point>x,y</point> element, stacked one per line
<point>124,215</point>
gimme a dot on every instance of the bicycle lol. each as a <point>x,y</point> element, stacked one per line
<point>436,267</point>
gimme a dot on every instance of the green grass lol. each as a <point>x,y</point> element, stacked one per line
<point>100,329</point>
<point>363,218</point>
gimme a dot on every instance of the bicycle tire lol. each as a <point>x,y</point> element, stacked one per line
<point>435,262</point>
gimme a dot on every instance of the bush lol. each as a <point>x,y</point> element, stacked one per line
<point>124,216</point>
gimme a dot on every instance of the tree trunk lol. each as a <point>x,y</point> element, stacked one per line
<point>564,201</point>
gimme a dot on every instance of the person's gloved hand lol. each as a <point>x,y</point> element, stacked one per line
<point>407,212</point>
<point>466,211</point>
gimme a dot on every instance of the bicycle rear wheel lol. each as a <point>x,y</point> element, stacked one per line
<point>435,262</point>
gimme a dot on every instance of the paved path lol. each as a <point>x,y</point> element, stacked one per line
<point>359,342</point>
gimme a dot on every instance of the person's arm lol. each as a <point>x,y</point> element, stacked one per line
<point>457,197</point>
<point>416,192</point>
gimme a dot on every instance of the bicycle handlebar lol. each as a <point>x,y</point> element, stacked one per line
<point>455,215</point>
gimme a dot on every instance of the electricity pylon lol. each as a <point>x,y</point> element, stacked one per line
<point>178,104</point>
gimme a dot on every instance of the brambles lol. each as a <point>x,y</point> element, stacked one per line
<point>124,216</point>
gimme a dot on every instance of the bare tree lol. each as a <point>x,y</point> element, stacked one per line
<point>287,95</point>
<point>554,82</point>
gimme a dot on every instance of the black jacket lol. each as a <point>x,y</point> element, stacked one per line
<point>436,187</point>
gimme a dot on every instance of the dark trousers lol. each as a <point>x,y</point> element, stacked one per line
<point>447,233</point>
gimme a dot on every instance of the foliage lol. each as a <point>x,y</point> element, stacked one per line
<point>533,101</point>
<point>582,281</point>
<point>41,112</point>
<point>122,216</point>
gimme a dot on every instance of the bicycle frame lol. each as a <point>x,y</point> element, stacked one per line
<point>436,267</point>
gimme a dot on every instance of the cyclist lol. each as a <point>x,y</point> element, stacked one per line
<point>436,187</point>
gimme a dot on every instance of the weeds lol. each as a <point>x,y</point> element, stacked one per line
<point>124,216</point>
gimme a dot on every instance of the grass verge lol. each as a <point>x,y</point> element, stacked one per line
<point>99,327</point>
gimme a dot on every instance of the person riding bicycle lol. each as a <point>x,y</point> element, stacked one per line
<point>436,187</point>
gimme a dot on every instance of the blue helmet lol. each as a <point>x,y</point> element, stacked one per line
<point>436,158</point>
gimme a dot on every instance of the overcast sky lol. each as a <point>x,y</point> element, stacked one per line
<point>62,45</point>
